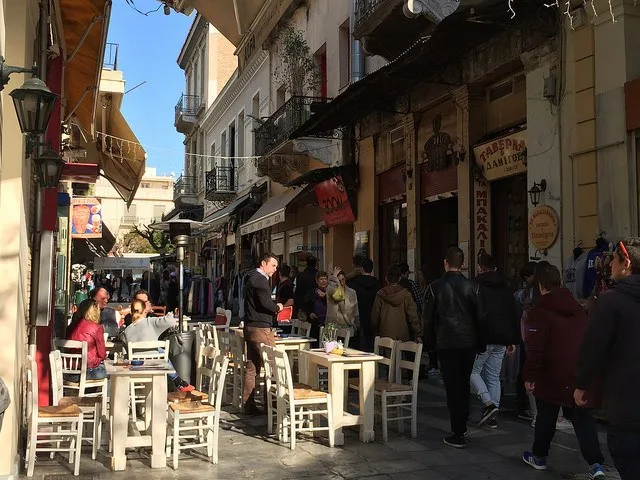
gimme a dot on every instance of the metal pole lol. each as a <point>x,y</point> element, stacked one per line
<point>181,292</point>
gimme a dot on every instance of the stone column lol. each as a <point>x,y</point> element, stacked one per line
<point>543,139</point>
<point>469,102</point>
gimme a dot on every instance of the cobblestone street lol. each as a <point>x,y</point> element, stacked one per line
<point>247,452</point>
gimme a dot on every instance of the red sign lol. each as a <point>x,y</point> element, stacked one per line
<point>332,198</point>
<point>482,218</point>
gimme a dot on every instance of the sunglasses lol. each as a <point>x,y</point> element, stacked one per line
<point>623,249</point>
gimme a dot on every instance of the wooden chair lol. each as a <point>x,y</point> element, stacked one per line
<point>191,420</point>
<point>91,407</point>
<point>73,356</point>
<point>159,310</point>
<point>271,387</point>
<point>236,367</point>
<point>153,350</point>
<point>61,424</point>
<point>298,327</point>
<point>223,319</point>
<point>298,404</point>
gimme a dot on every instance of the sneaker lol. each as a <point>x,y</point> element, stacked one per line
<point>488,413</point>
<point>526,415</point>
<point>182,385</point>
<point>492,424</point>
<point>533,423</point>
<point>564,424</point>
<point>596,472</point>
<point>455,441</point>
<point>539,463</point>
<point>433,372</point>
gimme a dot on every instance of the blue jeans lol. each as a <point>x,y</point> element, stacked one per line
<point>624,447</point>
<point>96,373</point>
<point>485,376</point>
<point>172,376</point>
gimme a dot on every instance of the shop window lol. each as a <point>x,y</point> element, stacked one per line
<point>345,53</point>
<point>393,235</point>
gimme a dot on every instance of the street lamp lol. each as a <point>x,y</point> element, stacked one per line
<point>34,104</point>
<point>49,168</point>
<point>255,195</point>
<point>536,190</point>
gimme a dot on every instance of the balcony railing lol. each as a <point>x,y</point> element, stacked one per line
<point>188,105</point>
<point>364,9</point>
<point>129,220</point>
<point>287,119</point>
<point>110,61</point>
<point>184,186</point>
<point>220,180</point>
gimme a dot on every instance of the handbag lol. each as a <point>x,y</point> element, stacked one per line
<point>338,295</point>
<point>176,344</point>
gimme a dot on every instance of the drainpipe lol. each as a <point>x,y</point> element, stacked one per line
<point>357,56</point>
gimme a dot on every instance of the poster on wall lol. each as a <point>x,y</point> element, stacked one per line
<point>334,201</point>
<point>502,157</point>
<point>361,244</point>
<point>86,217</point>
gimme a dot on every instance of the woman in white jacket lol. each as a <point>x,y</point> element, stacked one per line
<point>342,310</point>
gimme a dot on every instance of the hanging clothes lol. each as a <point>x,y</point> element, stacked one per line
<point>574,272</point>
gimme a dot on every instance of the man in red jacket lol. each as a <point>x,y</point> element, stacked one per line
<point>552,335</point>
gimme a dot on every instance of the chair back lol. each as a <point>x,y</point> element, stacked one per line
<point>31,404</point>
<point>73,356</point>
<point>211,336</point>
<point>411,366</point>
<point>343,334</point>
<point>218,378</point>
<point>57,381</point>
<point>386,348</point>
<point>303,328</point>
<point>205,368</point>
<point>236,347</point>
<point>223,317</point>
<point>283,375</point>
<point>153,350</point>
<point>224,337</point>
<point>269,367</point>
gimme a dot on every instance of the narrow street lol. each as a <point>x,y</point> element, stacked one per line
<point>247,452</point>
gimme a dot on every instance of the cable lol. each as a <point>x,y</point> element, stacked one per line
<point>146,14</point>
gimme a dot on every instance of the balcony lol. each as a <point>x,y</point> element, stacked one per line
<point>111,56</point>
<point>184,190</point>
<point>385,30</point>
<point>187,110</point>
<point>220,184</point>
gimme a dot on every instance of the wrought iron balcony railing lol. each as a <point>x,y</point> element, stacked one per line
<point>188,105</point>
<point>111,56</point>
<point>184,186</point>
<point>287,119</point>
<point>364,9</point>
<point>220,180</point>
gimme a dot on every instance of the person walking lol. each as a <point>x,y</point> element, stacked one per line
<point>454,318</point>
<point>501,335</point>
<point>609,352</point>
<point>366,287</point>
<point>394,312</point>
<point>553,332</point>
<point>342,302</point>
<point>260,312</point>
<point>412,286</point>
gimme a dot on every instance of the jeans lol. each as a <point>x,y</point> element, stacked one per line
<point>583,424</point>
<point>253,337</point>
<point>624,447</point>
<point>456,366</point>
<point>95,373</point>
<point>171,376</point>
<point>485,376</point>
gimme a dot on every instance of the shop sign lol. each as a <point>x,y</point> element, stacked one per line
<point>86,217</point>
<point>309,248</point>
<point>544,226</point>
<point>482,229</point>
<point>333,199</point>
<point>502,157</point>
<point>361,241</point>
<point>438,149</point>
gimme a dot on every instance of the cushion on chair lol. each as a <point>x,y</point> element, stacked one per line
<point>191,407</point>
<point>68,411</point>
<point>182,397</point>
<point>79,401</point>
<point>303,392</point>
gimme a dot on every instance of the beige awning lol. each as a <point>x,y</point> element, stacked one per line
<point>232,18</point>
<point>271,212</point>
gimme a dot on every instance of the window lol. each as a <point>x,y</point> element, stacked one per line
<point>321,62</point>
<point>203,76</point>
<point>393,235</point>
<point>345,53</point>
<point>255,112</point>
<point>212,159</point>
<point>165,186</point>
<point>281,95</point>
<point>145,185</point>
<point>158,211</point>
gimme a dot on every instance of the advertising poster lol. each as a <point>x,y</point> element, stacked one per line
<point>333,199</point>
<point>86,218</point>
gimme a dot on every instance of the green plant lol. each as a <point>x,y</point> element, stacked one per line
<point>297,71</point>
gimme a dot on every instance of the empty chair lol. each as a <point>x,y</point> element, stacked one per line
<point>223,319</point>
<point>298,327</point>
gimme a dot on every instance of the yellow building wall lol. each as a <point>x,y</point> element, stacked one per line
<point>366,219</point>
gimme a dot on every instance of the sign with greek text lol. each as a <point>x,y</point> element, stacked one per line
<point>502,157</point>
<point>333,199</point>
<point>544,227</point>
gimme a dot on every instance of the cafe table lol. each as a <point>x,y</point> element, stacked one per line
<point>155,410</point>
<point>287,342</point>
<point>338,366</point>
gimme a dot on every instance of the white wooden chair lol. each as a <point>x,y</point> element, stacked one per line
<point>236,356</point>
<point>298,404</point>
<point>73,355</point>
<point>50,428</point>
<point>191,420</point>
<point>298,327</point>
<point>153,350</point>
<point>271,387</point>
<point>91,407</point>
<point>399,397</point>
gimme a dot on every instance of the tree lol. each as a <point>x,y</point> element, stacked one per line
<point>144,240</point>
<point>297,71</point>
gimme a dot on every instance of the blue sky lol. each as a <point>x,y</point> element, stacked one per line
<point>149,47</point>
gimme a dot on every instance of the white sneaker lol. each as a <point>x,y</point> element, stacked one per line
<point>564,424</point>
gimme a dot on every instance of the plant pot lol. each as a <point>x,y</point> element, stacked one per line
<point>329,346</point>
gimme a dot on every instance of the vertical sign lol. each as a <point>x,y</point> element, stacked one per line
<point>86,218</point>
<point>333,199</point>
<point>482,218</point>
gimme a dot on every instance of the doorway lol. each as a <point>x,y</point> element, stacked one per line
<point>393,235</point>
<point>439,231</point>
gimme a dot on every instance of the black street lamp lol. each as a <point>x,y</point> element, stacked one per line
<point>34,104</point>
<point>536,190</point>
<point>49,166</point>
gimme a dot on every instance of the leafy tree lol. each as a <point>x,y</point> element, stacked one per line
<point>297,71</point>
<point>142,239</point>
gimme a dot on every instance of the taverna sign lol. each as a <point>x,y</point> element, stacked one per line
<point>502,157</point>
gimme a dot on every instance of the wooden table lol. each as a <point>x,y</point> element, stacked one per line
<point>155,411</point>
<point>337,366</point>
<point>288,342</point>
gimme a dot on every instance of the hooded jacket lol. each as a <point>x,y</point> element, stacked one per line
<point>366,288</point>
<point>394,314</point>
<point>610,352</point>
<point>503,324</point>
<point>553,331</point>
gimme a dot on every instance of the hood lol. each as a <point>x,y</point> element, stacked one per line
<point>560,301</point>
<point>366,282</point>
<point>491,280</point>
<point>629,286</point>
<point>394,295</point>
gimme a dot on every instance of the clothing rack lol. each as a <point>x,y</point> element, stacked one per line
<point>200,300</point>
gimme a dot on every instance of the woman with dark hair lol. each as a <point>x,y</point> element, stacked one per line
<point>314,308</point>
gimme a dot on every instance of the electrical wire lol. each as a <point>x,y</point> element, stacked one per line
<point>146,14</point>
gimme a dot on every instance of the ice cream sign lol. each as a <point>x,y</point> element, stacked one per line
<point>86,218</point>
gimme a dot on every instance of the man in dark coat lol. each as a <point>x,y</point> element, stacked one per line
<point>366,287</point>
<point>553,331</point>
<point>306,282</point>
<point>609,352</point>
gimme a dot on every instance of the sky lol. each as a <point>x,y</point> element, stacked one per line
<point>148,50</point>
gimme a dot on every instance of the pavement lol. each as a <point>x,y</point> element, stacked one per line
<point>246,451</point>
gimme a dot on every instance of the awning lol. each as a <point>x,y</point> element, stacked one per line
<point>220,217</point>
<point>85,24</point>
<point>232,18</point>
<point>349,174</point>
<point>272,211</point>
<point>85,250</point>
<point>424,62</point>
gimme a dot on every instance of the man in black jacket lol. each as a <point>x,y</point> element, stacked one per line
<point>453,317</point>
<point>259,311</point>
<point>502,334</point>
<point>305,282</point>
<point>609,353</point>
<point>366,287</point>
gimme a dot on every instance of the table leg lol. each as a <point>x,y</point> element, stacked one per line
<point>120,415</point>
<point>148,405</point>
<point>159,421</point>
<point>367,399</point>
<point>336,388</point>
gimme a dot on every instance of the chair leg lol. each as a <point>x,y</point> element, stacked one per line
<point>31,451</point>
<point>132,400</point>
<point>76,468</point>
<point>414,416</point>
<point>269,414</point>
<point>176,439</point>
<point>385,431</point>
<point>332,432</point>
<point>215,436</point>
<point>293,426</point>
<point>53,454</point>
<point>399,413</point>
<point>97,414</point>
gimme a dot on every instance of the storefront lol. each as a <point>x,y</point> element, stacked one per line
<point>392,217</point>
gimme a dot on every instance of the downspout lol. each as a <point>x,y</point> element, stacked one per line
<point>357,56</point>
